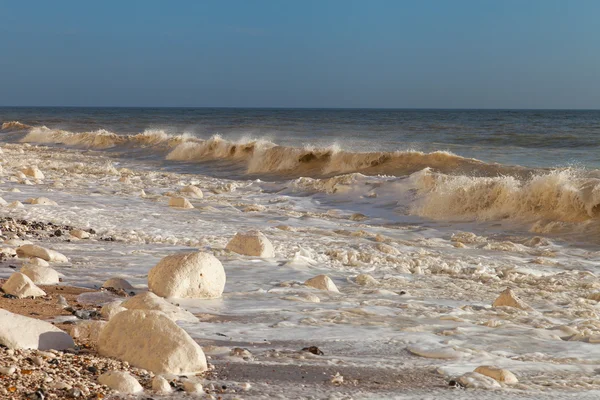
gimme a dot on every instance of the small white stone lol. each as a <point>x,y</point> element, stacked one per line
<point>15,204</point>
<point>117,283</point>
<point>120,381</point>
<point>42,201</point>
<point>192,191</point>
<point>322,282</point>
<point>80,234</point>
<point>180,202</point>
<point>192,387</point>
<point>7,370</point>
<point>509,299</point>
<point>31,250</point>
<point>33,171</point>
<point>476,380</point>
<point>40,275</point>
<point>251,243</point>
<point>161,385</point>
<point>499,374</point>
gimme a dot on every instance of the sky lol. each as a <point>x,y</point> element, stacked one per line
<point>303,53</point>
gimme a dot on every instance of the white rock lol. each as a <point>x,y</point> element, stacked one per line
<point>21,286</point>
<point>509,299</point>
<point>42,201</point>
<point>120,381</point>
<point>477,381</point>
<point>322,282</point>
<point>111,309</point>
<point>36,262</point>
<point>117,283</point>
<point>80,234</point>
<point>15,204</point>
<point>20,332</point>
<point>387,249</point>
<point>366,280</point>
<point>192,191</point>
<point>499,374</point>
<point>3,202</point>
<point>150,301</point>
<point>40,275</point>
<point>150,340</point>
<point>192,387</point>
<point>180,202</point>
<point>7,370</point>
<point>251,243</point>
<point>188,275</point>
<point>15,190</point>
<point>161,385</point>
<point>31,250</point>
<point>33,172</point>
<point>87,330</point>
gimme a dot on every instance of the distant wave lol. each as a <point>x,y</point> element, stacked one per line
<point>265,157</point>
<point>14,125</point>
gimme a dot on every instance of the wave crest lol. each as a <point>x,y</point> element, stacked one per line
<point>14,125</point>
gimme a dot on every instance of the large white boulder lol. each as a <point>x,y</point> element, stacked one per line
<point>180,202</point>
<point>21,286</point>
<point>150,301</point>
<point>251,243</point>
<point>33,172</point>
<point>20,332</point>
<point>31,250</point>
<point>322,282</point>
<point>40,275</point>
<point>121,381</point>
<point>150,340</point>
<point>195,275</point>
<point>192,191</point>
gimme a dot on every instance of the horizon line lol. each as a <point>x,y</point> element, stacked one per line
<point>313,108</point>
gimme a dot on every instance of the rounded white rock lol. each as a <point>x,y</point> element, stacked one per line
<point>251,243</point>
<point>499,374</point>
<point>31,250</point>
<point>150,301</point>
<point>161,385</point>
<point>33,171</point>
<point>40,275</point>
<point>80,234</point>
<point>192,191</point>
<point>188,275</point>
<point>150,340</point>
<point>117,283</point>
<point>21,286</point>
<point>20,332</point>
<point>322,282</point>
<point>120,381</point>
<point>180,202</point>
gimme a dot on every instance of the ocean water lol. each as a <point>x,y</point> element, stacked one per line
<point>443,208</point>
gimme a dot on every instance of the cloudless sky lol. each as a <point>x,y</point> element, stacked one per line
<point>304,53</point>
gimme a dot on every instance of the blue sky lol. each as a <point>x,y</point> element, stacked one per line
<point>326,53</point>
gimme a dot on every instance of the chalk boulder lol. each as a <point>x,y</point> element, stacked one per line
<point>87,330</point>
<point>180,202</point>
<point>121,381</point>
<point>509,299</point>
<point>40,275</point>
<point>117,283</point>
<point>150,301</point>
<point>3,202</point>
<point>150,340</point>
<point>192,192</point>
<point>251,243</point>
<point>322,282</point>
<point>20,332</point>
<point>33,172</point>
<point>188,275</point>
<point>499,374</point>
<point>21,286</point>
<point>366,280</point>
<point>15,204</point>
<point>31,250</point>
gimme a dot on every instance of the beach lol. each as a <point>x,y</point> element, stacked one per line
<point>417,253</point>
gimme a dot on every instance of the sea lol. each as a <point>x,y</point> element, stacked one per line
<point>443,209</point>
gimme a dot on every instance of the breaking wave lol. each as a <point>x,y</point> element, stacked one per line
<point>14,125</point>
<point>267,158</point>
